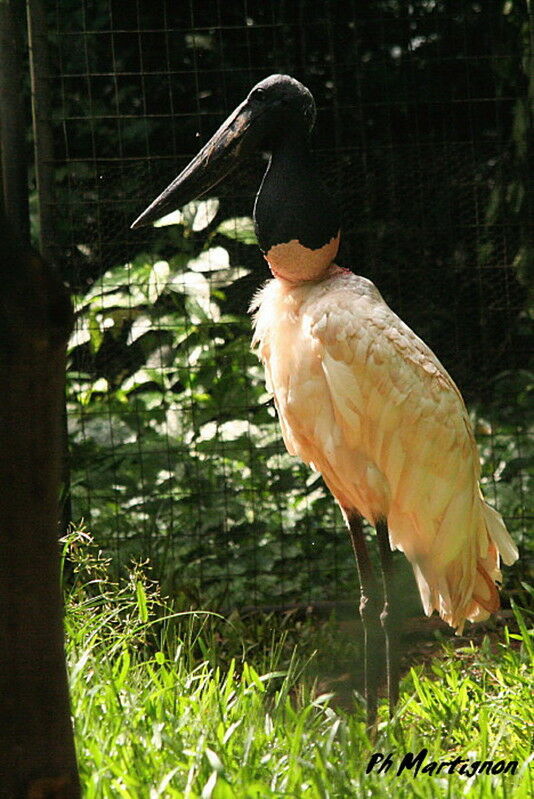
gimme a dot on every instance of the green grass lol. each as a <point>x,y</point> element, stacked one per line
<point>196,706</point>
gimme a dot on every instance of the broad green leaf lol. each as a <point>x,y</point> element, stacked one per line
<point>225,277</point>
<point>241,228</point>
<point>174,218</point>
<point>143,324</point>
<point>158,280</point>
<point>198,214</point>
<point>101,385</point>
<point>195,286</point>
<point>205,213</point>
<point>230,431</point>
<point>81,334</point>
<point>210,260</point>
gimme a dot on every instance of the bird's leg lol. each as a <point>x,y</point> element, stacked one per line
<point>389,617</point>
<point>369,612</point>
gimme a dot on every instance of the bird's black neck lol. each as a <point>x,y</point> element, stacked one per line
<point>292,203</point>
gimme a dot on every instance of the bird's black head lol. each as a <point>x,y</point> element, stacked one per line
<point>297,223</point>
<point>286,104</point>
<point>274,106</point>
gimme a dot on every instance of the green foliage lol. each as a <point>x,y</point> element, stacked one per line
<point>507,459</point>
<point>511,193</point>
<point>177,705</point>
<point>174,441</point>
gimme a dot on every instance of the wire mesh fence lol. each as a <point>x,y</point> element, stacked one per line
<point>423,136</point>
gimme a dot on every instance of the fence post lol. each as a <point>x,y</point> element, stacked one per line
<point>13,121</point>
<point>37,756</point>
<point>43,138</point>
<point>42,124</point>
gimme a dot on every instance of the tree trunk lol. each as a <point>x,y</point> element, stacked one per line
<point>37,756</point>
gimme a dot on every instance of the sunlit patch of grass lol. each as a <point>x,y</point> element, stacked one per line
<point>186,705</point>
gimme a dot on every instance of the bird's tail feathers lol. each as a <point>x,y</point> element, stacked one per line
<point>468,586</point>
<point>499,534</point>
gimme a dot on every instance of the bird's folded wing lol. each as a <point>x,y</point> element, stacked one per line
<point>395,403</point>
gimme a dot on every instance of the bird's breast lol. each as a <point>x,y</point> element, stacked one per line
<point>295,373</point>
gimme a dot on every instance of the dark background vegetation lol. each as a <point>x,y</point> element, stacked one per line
<point>424,133</point>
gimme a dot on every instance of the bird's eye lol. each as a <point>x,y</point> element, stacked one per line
<point>258,94</point>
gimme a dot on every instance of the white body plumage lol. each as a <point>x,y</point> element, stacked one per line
<point>367,403</point>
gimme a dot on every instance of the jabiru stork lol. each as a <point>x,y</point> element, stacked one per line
<point>359,395</point>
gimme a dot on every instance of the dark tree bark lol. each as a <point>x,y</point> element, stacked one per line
<point>37,756</point>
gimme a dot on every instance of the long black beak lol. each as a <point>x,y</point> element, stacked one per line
<point>239,135</point>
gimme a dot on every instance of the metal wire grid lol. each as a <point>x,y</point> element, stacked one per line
<point>139,86</point>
